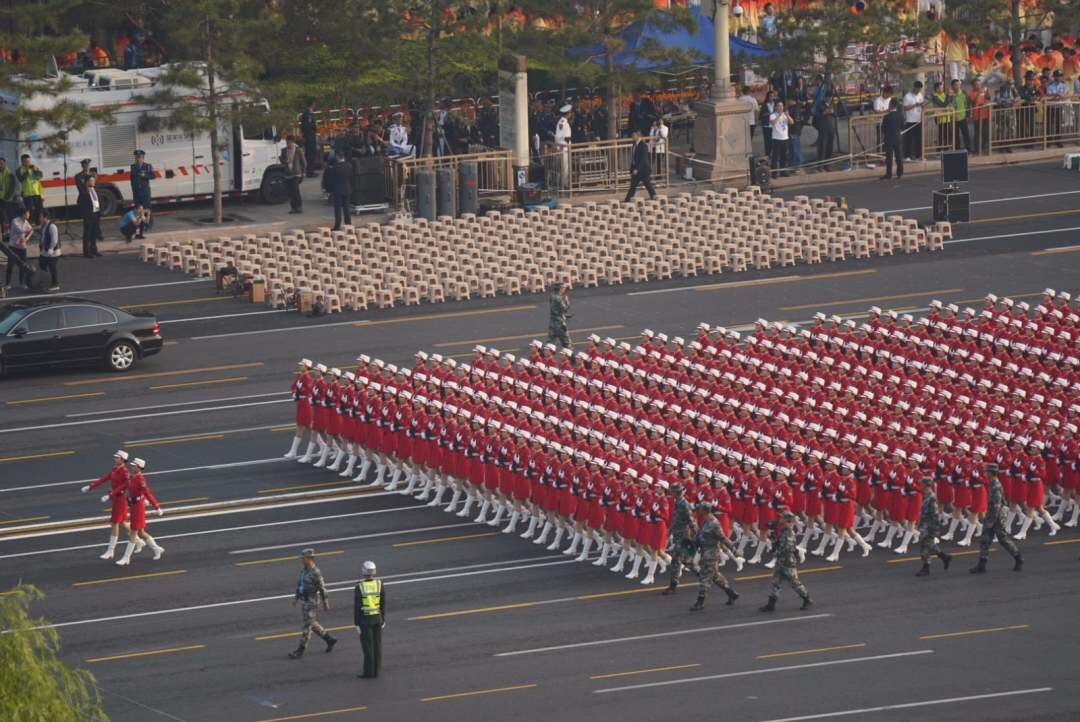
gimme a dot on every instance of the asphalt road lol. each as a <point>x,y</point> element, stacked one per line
<point>484,626</point>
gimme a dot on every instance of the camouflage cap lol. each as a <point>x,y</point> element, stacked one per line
<point>307,553</point>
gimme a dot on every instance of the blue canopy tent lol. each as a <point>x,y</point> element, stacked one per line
<point>643,34</point>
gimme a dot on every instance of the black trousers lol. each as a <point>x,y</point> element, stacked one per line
<point>295,200</point>
<point>341,210</point>
<point>35,205</point>
<point>963,136</point>
<point>779,157</point>
<point>48,263</point>
<point>894,150</point>
<point>21,253</point>
<point>635,181</point>
<point>371,644</point>
<point>913,140</point>
<point>91,232</point>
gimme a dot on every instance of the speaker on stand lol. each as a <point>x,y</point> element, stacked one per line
<point>761,172</point>
<point>950,203</point>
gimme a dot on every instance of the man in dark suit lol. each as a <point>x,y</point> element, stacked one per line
<point>640,167</point>
<point>90,209</point>
<point>337,182</point>
<point>891,126</point>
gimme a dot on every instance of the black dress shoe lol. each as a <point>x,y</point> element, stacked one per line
<point>98,254</point>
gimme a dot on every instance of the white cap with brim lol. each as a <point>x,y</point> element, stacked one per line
<point>139,463</point>
<point>121,454</point>
<point>566,108</point>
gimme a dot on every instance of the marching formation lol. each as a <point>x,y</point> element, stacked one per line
<point>827,430</point>
<point>128,496</point>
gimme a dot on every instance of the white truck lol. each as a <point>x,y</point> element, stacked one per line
<point>250,158</point>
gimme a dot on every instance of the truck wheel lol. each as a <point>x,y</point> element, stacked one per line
<point>109,201</point>
<point>274,189</point>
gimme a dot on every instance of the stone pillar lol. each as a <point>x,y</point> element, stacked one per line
<point>514,113</point>
<point>722,128</point>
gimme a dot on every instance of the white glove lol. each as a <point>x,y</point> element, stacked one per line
<point>85,489</point>
<point>160,512</point>
<point>359,631</point>
<point>104,498</point>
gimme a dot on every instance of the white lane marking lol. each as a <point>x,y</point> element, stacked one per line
<point>119,288</point>
<point>766,670</point>
<point>358,322</point>
<point>734,284</point>
<point>286,505</point>
<point>316,542</point>
<point>224,315</point>
<point>178,412</point>
<point>179,403</point>
<point>992,200</point>
<point>205,433</point>
<point>910,705</point>
<point>448,573</point>
<point>227,465</point>
<point>695,630</point>
<point>1013,235</point>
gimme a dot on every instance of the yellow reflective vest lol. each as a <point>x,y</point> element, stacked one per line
<point>370,596</point>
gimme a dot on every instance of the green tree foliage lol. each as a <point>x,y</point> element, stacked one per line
<point>35,685</point>
<point>33,32</point>
<point>213,75</point>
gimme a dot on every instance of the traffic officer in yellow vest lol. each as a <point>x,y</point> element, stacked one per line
<point>369,616</point>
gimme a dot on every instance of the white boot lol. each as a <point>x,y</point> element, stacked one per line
<point>139,544</point>
<point>498,515</point>
<point>454,500</point>
<point>1054,527</point>
<point>585,550</point>
<point>436,499</point>
<point>1009,520</point>
<point>651,576</point>
<point>805,538</point>
<point>336,466</point>
<point>513,523</point>
<point>542,539</point>
<point>429,489</point>
<point>572,549</point>
<point>821,546</point>
<point>861,542</point>
<point>887,541</point>
<point>636,568</point>
<point>322,457</point>
<point>126,559</point>
<point>742,544</point>
<point>349,467</point>
<point>482,516</point>
<point>875,527</point>
<point>605,552</point>
<point>835,556</point>
<point>306,458</point>
<point>902,549</point>
<point>395,478</point>
<point>294,448</point>
<point>558,540</point>
<point>111,550</point>
<point>756,559</point>
<point>1071,523</point>
<point>1024,528</point>
<point>621,562</point>
<point>952,529</point>
<point>380,475</point>
<point>966,541</point>
<point>412,478</point>
<point>531,529</point>
<point>157,548</point>
<point>771,563</point>
<point>364,468</point>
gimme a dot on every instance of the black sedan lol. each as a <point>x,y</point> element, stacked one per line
<point>61,330</point>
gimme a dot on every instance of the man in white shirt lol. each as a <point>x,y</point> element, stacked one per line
<point>563,135</point>
<point>752,114</point>
<point>780,122</point>
<point>914,101</point>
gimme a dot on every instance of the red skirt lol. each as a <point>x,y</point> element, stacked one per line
<point>912,507</point>
<point>333,422</point>
<point>506,482</point>
<point>303,413</point>
<point>549,499</point>
<point>944,491</point>
<point>978,500</point>
<point>582,511</point>
<point>490,476</point>
<point>319,418</point>
<point>750,512</point>
<point>831,509</point>
<point>897,506</point>
<point>725,523</point>
<point>138,516</point>
<point>655,535</point>
<point>1036,494</point>
<point>845,515</point>
<point>475,471</point>
<point>613,520</point>
<point>1018,494</point>
<point>629,526</point>
<point>119,510</point>
<point>522,487</point>
<point>863,493</point>
<point>567,504</point>
<point>813,504</point>
<point>596,516</point>
<point>962,496</point>
<point>766,514</point>
<point>798,501</point>
<point>1071,479</point>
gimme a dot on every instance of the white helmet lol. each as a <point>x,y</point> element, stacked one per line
<point>368,568</point>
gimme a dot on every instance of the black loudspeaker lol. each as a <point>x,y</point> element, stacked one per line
<point>760,172</point>
<point>368,181</point>
<point>954,166</point>
<point>529,194</point>
<point>952,206</point>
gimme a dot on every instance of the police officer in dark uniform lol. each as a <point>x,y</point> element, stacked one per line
<point>369,616</point>
<point>141,174</point>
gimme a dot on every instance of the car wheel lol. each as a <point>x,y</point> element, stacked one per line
<point>108,201</point>
<point>274,189</point>
<point>122,355</point>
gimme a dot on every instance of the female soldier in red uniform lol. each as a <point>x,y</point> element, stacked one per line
<point>117,477</point>
<point>301,394</point>
<point>138,494</point>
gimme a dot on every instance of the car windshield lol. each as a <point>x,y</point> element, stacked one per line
<point>9,316</point>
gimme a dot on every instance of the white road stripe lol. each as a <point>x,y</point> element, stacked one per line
<point>766,670</point>
<point>658,635</point>
<point>179,403</point>
<point>228,465</point>
<point>992,200</point>
<point>224,315</point>
<point>347,586</point>
<point>910,705</point>
<point>316,327</point>
<point>118,288</point>
<point>317,542</point>
<point>112,419</point>
<point>718,286</point>
<point>205,433</point>
<point>1013,235</point>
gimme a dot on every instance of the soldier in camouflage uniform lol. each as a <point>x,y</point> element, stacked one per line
<point>928,528</point>
<point>710,539</point>
<point>310,589</point>
<point>559,306</point>
<point>994,525</point>
<point>786,561</point>
<point>681,530</point>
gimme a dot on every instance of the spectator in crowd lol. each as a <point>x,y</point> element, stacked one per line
<point>398,137</point>
<point>826,140</point>
<point>939,101</point>
<point>658,137</point>
<point>767,108</point>
<point>1029,96</point>
<point>49,249</point>
<point>133,223</point>
<point>881,102</point>
<point>914,102</point>
<point>979,101</point>
<point>337,182</point>
<point>295,170</point>
<point>18,239</point>
<point>891,126</point>
<point>307,130</point>
<point>1006,100</point>
<point>780,122</point>
<point>29,177</point>
<point>956,57</point>
<point>958,101</point>
<point>9,195</point>
<point>754,109</point>
<point>640,168</point>
<point>767,23</point>
<point>1056,90</point>
<point>90,208</point>
<point>600,121</point>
